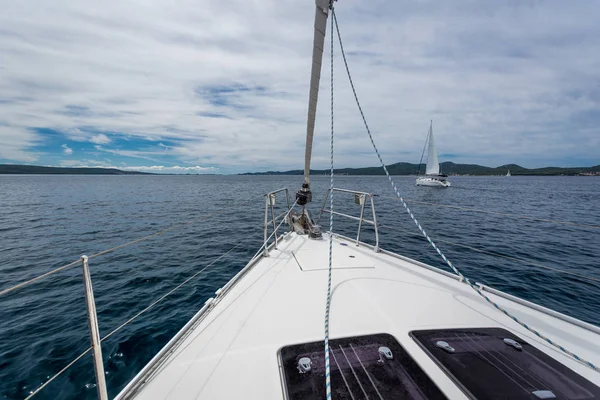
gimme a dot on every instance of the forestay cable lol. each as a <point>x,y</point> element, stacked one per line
<point>456,271</point>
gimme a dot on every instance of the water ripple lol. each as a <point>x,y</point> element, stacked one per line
<point>46,222</point>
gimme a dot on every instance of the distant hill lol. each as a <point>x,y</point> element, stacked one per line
<point>449,168</point>
<point>35,170</point>
<point>400,168</point>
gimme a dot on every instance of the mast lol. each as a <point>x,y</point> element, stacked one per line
<point>321,13</point>
<point>423,152</point>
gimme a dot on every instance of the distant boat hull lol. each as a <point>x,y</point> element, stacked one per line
<point>432,181</point>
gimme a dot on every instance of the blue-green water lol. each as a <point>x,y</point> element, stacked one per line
<point>48,221</point>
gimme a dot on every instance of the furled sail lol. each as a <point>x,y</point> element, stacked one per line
<point>321,13</point>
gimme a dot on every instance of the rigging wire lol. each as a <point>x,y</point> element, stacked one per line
<point>134,318</point>
<point>37,278</point>
<point>285,216</point>
<point>328,303</point>
<point>36,391</point>
<point>170,292</point>
<point>422,230</point>
<point>423,154</point>
<point>521,260</point>
<point>160,299</point>
<point>162,232</point>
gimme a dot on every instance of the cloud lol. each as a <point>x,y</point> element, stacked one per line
<point>16,142</point>
<point>504,82</point>
<point>176,169</point>
<point>68,151</point>
<point>100,138</point>
<point>143,153</point>
<point>86,163</point>
<point>69,163</point>
<point>170,169</point>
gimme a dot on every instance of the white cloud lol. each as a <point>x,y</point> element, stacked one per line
<point>100,139</point>
<point>170,169</point>
<point>85,164</point>
<point>176,169</point>
<point>67,150</point>
<point>68,163</point>
<point>143,154</point>
<point>15,143</point>
<point>502,81</point>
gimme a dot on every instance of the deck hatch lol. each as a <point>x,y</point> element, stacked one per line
<point>373,366</point>
<point>492,363</point>
<point>344,258</point>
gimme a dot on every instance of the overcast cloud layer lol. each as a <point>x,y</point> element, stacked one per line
<point>212,86</point>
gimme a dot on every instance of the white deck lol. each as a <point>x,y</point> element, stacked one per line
<point>233,352</point>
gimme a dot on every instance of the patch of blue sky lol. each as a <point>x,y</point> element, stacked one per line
<point>56,147</point>
<point>227,95</point>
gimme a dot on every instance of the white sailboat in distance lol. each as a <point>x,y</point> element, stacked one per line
<point>508,173</point>
<point>432,170</point>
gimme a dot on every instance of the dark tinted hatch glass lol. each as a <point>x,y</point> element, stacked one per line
<point>491,363</point>
<point>373,366</point>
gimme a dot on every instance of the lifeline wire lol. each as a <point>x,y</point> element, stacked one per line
<point>54,271</point>
<point>132,319</point>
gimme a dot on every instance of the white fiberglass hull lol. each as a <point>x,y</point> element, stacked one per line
<point>434,182</point>
<point>276,301</point>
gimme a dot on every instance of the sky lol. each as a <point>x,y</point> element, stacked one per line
<point>209,86</point>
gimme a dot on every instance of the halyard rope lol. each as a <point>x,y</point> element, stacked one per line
<point>424,233</point>
<point>328,304</point>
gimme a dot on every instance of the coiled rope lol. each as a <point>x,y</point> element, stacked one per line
<point>328,303</point>
<point>424,233</point>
